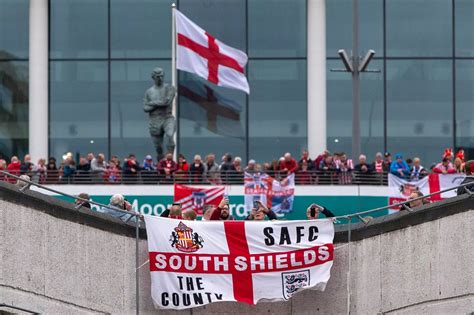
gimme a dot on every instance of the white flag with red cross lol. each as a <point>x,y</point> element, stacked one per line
<point>193,263</point>
<point>200,53</point>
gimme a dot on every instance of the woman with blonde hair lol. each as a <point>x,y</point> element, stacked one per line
<point>459,166</point>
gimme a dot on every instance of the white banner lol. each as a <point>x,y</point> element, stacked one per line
<point>193,263</point>
<point>400,189</point>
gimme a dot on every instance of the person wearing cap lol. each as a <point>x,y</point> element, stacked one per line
<point>399,167</point>
<point>148,164</point>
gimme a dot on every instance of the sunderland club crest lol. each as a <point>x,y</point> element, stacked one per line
<point>185,240</point>
<point>293,281</point>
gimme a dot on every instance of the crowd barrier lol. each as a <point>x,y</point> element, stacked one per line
<point>216,178</point>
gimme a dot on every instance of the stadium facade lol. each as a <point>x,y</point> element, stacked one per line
<point>73,73</point>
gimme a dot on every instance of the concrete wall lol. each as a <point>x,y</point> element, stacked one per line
<point>56,260</point>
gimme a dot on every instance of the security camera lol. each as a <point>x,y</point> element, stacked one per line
<point>365,62</point>
<point>345,59</point>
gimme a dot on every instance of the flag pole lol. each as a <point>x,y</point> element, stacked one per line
<point>174,75</point>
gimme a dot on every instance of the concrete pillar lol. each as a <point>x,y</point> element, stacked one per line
<point>38,80</point>
<point>316,46</point>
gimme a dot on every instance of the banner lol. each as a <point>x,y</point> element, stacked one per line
<point>401,189</point>
<point>193,263</point>
<point>196,198</point>
<point>277,195</point>
<point>440,182</point>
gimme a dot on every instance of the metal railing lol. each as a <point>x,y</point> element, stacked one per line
<point>348,217</point>
<point>212,178</point>
<point>28,183</point>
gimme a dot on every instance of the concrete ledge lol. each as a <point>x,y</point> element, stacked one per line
<point>65,210</point>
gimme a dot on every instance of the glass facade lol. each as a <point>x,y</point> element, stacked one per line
<point>14,25</point>
<point>104,77</point>
<point>421,102</point>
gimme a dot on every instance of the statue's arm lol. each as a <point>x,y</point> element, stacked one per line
<point>170,95</point>
<point>148,105</point>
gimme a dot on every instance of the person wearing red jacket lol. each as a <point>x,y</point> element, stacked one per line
<point>288,164</point>
<point>167,166</point>
<point>445,167</point>
<point>14,168</point>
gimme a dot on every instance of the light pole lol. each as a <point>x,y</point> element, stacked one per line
<point>355,66</point>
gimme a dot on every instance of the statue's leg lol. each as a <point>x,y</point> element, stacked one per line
<point>157,137</point>
<point>169,128</point>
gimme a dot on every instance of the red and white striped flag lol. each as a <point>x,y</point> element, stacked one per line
<point>200,53</point>
<point>196,198</point>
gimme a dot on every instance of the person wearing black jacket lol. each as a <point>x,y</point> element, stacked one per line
<point>259,213</point>
<point>313,211</point>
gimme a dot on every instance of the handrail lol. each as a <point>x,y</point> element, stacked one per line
<point>67,195</point>
<point>18,308</point>
<point>359,214</point>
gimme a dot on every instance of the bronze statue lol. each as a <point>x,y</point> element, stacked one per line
<point>158,104</point>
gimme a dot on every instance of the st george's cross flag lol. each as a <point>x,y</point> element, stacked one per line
<point>193,263</point>
<point>200,53</point>
<point>195,198</point>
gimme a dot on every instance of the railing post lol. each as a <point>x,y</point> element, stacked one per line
<point>137,278</point>
<point>349,230</point>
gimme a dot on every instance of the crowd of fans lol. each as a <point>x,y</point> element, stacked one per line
<point>338,167</point>
<point>210,212</point>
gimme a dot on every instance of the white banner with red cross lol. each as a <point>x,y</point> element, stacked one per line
<point>401,189</point>
<point>193,263</point>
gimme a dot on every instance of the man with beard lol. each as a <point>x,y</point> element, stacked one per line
<point>222,212</point>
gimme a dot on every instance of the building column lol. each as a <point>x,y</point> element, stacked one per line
<point>316,46</point>
<point>38,80</point>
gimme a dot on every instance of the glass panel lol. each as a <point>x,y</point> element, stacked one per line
<point>371,111</point>
<point>339,109</point>
<point>279,34</point>
<point>212,119</point>
<point>464,106</point>
<point>129,123</point>
<point>277,108</point>
<point>419,108</point>
<point>419,28</point>
<point>78,107</point>
<point>13,108</point>
<point>140,28</point>
<point>78,28</point>
<point>339,26</point>
<point>371,26</point>
<point>224,20</point>
<point>14,29</point>
<point>464,26</point>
